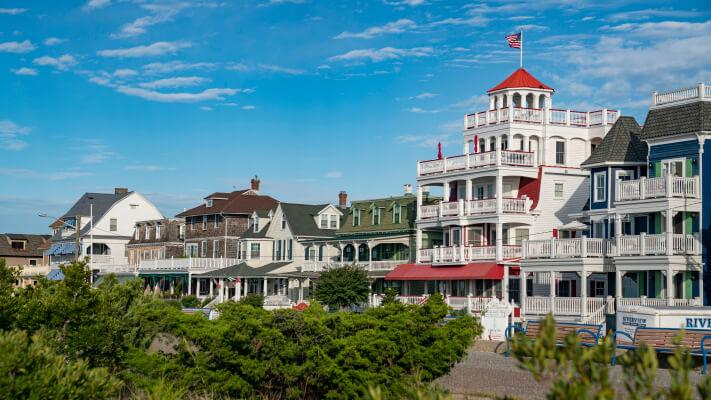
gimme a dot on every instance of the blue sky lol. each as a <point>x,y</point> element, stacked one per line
<point>178,99</point>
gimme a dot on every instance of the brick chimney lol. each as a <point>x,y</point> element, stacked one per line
<point>255,183</point>
<point>342,199</point>
<point>120,190</point>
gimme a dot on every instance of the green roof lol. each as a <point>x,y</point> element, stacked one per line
<point>408,205</point>
<point>243,270</point>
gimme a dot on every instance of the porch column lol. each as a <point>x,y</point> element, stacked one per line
<point>301,290</point>
<point>197,287</point>
<point>445,192</point>
<point>505,285</point>
<point>499,193</point>
<point>370,256</point>
<point>190,283</point>
<point>670,285</point>
<point>524,289</point>
<point>238,289</point>
<point>499,240</point>
<point>356,253</point>
<point>468,194</point>
<point>552,291</point>
<point>669,230</point>
<point>618,233</point>
<point>266,289</point>
<point>221,290</point>
<point>246,286</point>
<point>618,285</point>
<point>418,244</point>
<point>583,294</point>
<point>209,280</point>
<point>420,194</point>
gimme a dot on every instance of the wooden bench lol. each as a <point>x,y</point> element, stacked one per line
<point>589,334</point>
<point>662,341</point>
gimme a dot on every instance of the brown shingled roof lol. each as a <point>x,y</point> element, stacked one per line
<point>238,202</point>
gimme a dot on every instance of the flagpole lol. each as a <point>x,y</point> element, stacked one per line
<point>520,61</point>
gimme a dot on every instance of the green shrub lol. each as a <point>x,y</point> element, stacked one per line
<point>253,299</point>
<point>342,287</point>
<point>189,301</point>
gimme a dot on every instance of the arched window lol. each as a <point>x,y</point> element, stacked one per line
<point>496,103</point>
<point>504,102</point>
<point>529,101</point>
<point>517,100</point>
<point>542,101</point>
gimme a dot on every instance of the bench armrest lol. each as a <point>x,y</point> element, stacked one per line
<point>617,333</point>
<point>588,331</point>
<point>511,330</point>
<point>703,341</point>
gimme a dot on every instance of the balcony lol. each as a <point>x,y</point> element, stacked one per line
<point>464,208</point>
<point>538,116</point>
<point>381,265</point>
<point>466,254</point>
<point>626,245</point>
<point>474,161</point>
<point>187,264</point>
<point>699,92</point>
<point>666,186</point>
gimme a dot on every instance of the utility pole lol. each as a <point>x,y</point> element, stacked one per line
<point>76,240</point>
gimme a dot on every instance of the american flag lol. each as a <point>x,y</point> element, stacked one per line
<point>514,40</point>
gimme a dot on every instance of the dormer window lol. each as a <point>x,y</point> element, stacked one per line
<point>334,221</point>
<point>208,203</point>
<point>397,214</point>
<point>324,221</point>
<point>157,231</point>
<point>255,223</point>
<point>17,244</point>
<point>377,213</point>
<point>356,217</point>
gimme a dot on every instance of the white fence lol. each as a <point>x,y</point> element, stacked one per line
<point>463,208</point>
<point>454,254</point>
<point>187,264</point>
<point>541,117</point>
<point>566,248</point>
<point>625,245</point>
<point>701,91</point>
<point>660,187</point>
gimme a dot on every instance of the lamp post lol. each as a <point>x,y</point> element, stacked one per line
<point>91,236</point>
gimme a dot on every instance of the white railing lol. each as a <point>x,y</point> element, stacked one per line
<point>455,254</point>
<point>388,265</point>
<point>116,269</point>
<point>657,244</point>
<point>458,302</point>
<point>541,117</point>
<point>431,211</point>
<point>462,208</point>
<point>659,187</point>
<point>566,248</point>
<point>483,206</point>
<point>450,208</point>
<point>187,264</point>
<point>513,158</point>
<point>99,259</point>
<point>315,266</point>
<point>701,91</point>
<point>566,305</point>
<point>646,301</point>
<point>413,299</point>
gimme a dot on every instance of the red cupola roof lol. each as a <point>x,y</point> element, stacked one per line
<point>520,79</point>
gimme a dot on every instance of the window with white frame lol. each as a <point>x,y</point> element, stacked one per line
<point>560,152</point>
<point>255,223</point>
<point>208,203</point>
<point>147,234</point>
<point>137,233</point>
<point>254,250</point>
<point>599,186</point>
<point>377,212</point>
<point>215,248</point>
<point>191,250</point>
<point>397,213</point>
<point>356,217</point>
<point>333,221</point>
<point>324,221</point>
<point>675,167</point>
<point>157,231</point>
<point>204,222</point>
<point>203,250</point>
<point>113,224</point>
<point>558,190</point>
<point>283,224</point>
<point>217,220</point>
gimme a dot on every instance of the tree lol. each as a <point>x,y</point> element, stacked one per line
<point>8,302</point>
<point>342,287</point>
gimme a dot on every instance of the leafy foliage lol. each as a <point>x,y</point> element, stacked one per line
<point>342,287</point>
<point>189,301</point>
<point>584,372</point>
<point>252,299</point>
<point>157,351</point>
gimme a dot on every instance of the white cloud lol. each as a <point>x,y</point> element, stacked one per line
<point>286,2</point>
<point>334,174</point>
<point>206,108</point>
<point>54,176</point>
<point>280,69</point>
<point>12,11</point>
<point>531,27</point>
<point>398,26</point>
<point>96,157</point>
<point>52,41</point>
<point>63,175</point>
<point>25,71</point>
<point>662,29</point>
<point>651,13</point>
<point>17,47</point>
<point>476,20</point>
<point>422,96</point>
<point>124,73</point>
<point>96,4</point>
<point>175,66</point>
<point>386,53</point>
<point>154,49</point>
<point>249,107</point>
<point>147,168</point>
<point>238,67</point>
<point>10,134</point>
<point>411,3</point>
<point>159,13</point>
<point>181,81</point>
<point>63,62</point>
<point>207,94</point>
<point>521,18</point>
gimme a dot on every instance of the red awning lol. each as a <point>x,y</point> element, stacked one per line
<point>426,272</point>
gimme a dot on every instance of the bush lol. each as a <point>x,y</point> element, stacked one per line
<point>342,287</point>
<point>253,299</point>
<point>31,369</point>
<point>189,301</point>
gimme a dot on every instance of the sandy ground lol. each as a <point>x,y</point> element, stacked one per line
<point>485,373</point>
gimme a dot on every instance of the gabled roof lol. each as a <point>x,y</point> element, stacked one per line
<point>244,270</point>
<point>520,79</point>
<point>237,202</point>
<point>251,234</point>
<point>102,202</point>
<point>622,144</point>
<point>670,121</point>
<point>302,219</point>
<point>34,245</point>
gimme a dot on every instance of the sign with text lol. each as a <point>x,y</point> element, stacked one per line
<point>495,319</point>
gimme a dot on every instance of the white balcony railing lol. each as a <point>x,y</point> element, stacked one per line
<point>463,208</point>
<point>625,245</point>
<point>701,91</point>
<point>465,254</point>
<point>540,116</point>
<point>566,248</point>
<point>381,265</point>
<point>512,158</point>
<point>187,264</point>
<point>666,186</point>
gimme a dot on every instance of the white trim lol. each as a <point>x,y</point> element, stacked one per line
<point>596,198</point>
